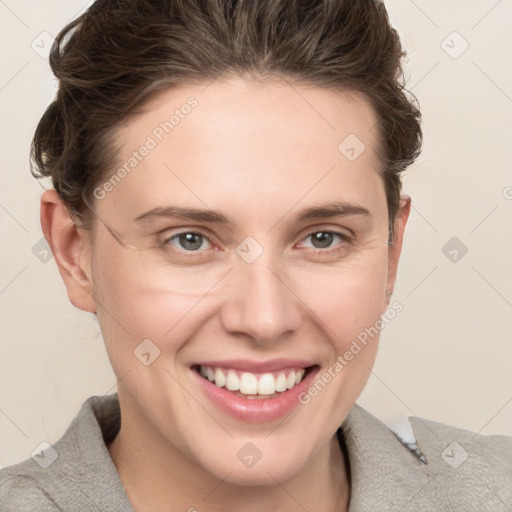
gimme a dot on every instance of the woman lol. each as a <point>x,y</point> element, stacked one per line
<point>228,203</point>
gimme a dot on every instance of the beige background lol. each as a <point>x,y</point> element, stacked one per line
<point>447,356</point>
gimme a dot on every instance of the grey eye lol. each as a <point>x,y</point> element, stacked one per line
<point>321,239</point>
<point>188,240</point>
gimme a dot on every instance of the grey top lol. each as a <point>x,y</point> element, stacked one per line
<point>450,469</point>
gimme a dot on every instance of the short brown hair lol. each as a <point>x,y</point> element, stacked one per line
<point>121,53</point>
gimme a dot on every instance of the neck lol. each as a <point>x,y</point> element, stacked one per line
<point>164,479</point>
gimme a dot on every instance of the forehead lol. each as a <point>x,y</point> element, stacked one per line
<point>251,144</point>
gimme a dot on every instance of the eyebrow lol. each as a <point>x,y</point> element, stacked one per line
<point>334,209</point>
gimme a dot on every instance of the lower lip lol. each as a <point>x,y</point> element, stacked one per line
<point>257,410</point>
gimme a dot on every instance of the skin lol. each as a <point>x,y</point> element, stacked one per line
<point>260,153</point>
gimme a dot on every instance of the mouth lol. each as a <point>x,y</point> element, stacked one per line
<point>254,386</point>
<point>255,392</point>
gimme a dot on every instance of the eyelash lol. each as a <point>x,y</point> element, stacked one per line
<point>193,253</point>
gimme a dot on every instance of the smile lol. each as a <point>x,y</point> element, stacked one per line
<point>254,392</point>
<point>253,385</point>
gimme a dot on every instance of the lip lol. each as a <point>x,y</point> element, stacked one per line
<point>257,410</point>
<point>246,365</point>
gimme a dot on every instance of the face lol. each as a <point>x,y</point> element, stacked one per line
<point>273,262</point>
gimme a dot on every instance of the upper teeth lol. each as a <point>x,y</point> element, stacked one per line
<point>253,384</point>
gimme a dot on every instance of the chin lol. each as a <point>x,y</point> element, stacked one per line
<point>240,462</point>
<point>261,474</point>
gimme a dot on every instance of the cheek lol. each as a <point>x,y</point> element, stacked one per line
<point>344,301</point>
<point>137,308</point>
<point>131,306</point>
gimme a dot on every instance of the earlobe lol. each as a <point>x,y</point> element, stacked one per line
<point>71,250</point>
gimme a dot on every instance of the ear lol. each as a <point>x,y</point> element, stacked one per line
<point>395,248</point>
<point>71,247</point>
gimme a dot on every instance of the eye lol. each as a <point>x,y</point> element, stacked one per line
<point>324,239</point>
<point>192,242</point>
<point>189,241</point>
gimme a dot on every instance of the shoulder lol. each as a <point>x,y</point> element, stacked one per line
<point>445,468</point>
<point>74,472</point>
<point>467,468</point>
<point>456,446</point>
<point>36,482</point>
<point>22,488</point>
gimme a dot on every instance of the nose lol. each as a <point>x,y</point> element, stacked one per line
<point>260,302</point>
